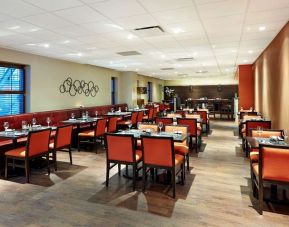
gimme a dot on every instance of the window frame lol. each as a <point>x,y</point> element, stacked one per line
<point>9,92</point>
<point>113,90</point>
<point>150,91</point>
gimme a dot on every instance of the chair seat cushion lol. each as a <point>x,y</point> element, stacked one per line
<point>18,152</point>
<point>255,167</point>
<point>5,142</point>
<point>181,149</point>
<point>87,133</point>
<point>138,144</point>
<point>138,155</point>
<point>179,159</point>
<point>254,155</point>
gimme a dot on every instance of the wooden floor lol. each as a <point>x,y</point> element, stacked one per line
<point>217,193</point>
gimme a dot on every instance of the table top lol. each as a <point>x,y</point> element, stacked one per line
<point>243,121</point>
<point>138,110</point>
<point>14,134</point>
<point>81,120</point>
<point>138,133</point>
<point>254,142</point>
<point>118,113</point>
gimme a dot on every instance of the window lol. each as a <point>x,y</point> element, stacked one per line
<point>150,92</point>
<point>12,89</point>
<point>113,90</point>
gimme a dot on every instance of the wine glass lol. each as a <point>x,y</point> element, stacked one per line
<point>24,125</point>
<point>48,121</point>
<point>72,115</point>
<point>285,134</point>
<point>6,125</point>
<point>160,125</point>
<point>83,115</point>
<point>259,131</point>
<point>86,114</point>
<point>126,109</point>
<point>241,108</point>
<point>33,121</point>
<point>129,124</point>
<point>119,109</point>
<point>112,110</point>
<point>96,113</point>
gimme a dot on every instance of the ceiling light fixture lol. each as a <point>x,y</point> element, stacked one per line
<point>250,51</point>
<point>177,30</point>
<point>262,28</point>
<point>14,27</point>
<point>245,60</point>
<point>130,36</point>
<point>66,42</point>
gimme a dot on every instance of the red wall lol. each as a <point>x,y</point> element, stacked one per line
<point>246,86</point>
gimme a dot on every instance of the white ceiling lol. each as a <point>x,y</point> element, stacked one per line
<point>218,34</point>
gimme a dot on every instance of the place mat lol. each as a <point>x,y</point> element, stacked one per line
<point>271,142</point>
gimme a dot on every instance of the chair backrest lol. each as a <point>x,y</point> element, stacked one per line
<point>247,113</point>
<point>133,118</point>
<point>162,107</point>
<point>252,124</point>
<point>266,133</point>
<point>191,123</point>
<point>273,163</point>
<point>100,127</point>
<point>63,136</point>
<point>112,123</point>
<point>165,120</point>
<point>155,112</point>
<point>194,116</point>
<point>144,126</point>
<point>38,142</point>
<point>140,116</point>
<point>151,113</point>
<point>180,128</point>
<point>204,116</point>
<point>120,147</point>
<point>158,151</point>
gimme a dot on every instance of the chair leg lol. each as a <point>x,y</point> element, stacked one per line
<point>48,165</point>
<point>182,173</point>
<point>70,155</point>
<point>188,162</point>
<point>133,175</point>
<point>119,169</point>
<point>6,168</point>
<point>196,144</point>
<point>54,160</point>
<point>78,144</point>
<point>95,145</point>
<point>107,173</point>
<point>260,198</point>
<point>27,170</point>
<point>143,178</point>
<point>174,182</point>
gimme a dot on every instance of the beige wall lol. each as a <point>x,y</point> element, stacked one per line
<point>44,76</point>
<point>212,80</point>
<point>271,74</point>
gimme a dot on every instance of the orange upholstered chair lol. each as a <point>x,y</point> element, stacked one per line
<point>37,146</point>
<point>267,133</point>
<point>146,126</point>
<point>61,142</point>
<point>91,136</point>
<point>158,152</point>
<point>140,116</point>
<point>272,167</point>
<point>112,124</point>
<point>193,129</point>
<point>205,119</point>
<point>164,120</point>
<point>150,116</point>
<point>132,120</point>
<point>121,150</point>
<point>253,124</point>
<point>181,148</point>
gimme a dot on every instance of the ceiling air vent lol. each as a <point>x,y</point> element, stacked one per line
<point>167,68</point>
<point>186,59</point>
<point>149,31</point>
<point>128,53</point>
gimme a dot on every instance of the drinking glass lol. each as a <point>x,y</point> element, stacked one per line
<point>6,125</point>
<point>48,120</point>
<point>241,108</point>
<point>86,114</point>
<point>119,109</point>
<point>160,125</point>
<point>33,121</point>
<point>129,125</point>
<point>259,131</point>
<point>72,115</point>
<point>24,125</point>
<point>112,110</point>
<point>96,113</point>
<point>83,115</point>
<point>126,109</point>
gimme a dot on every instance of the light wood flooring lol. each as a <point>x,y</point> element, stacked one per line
<point>217,193</point>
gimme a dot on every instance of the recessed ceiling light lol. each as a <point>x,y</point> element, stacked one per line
<point>245,60</point>
<point>262,28</point>
<point>130,36</point>
<point>163,56</point>
<point>31,44</point>
<point>115,26</point>
<point>14,27</point>
<point>234,51</point>
<point>76,54</point>
<point>34,29</point>
<point>227,70</point>
<point>177,30</point>
<point>66,41</point>
<point>250,51</point>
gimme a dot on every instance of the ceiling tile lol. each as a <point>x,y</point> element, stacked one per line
<point>18,8</point>
<point>162,5</point>
<point>118,9</point>
<point>102,27</point>
<point>79,15</point>
<point>53,5</point>
<point>138,21</point>
<point>260,5</point>
<point>47,20</point>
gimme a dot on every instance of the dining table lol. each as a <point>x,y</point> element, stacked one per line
<point>255,142</point>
